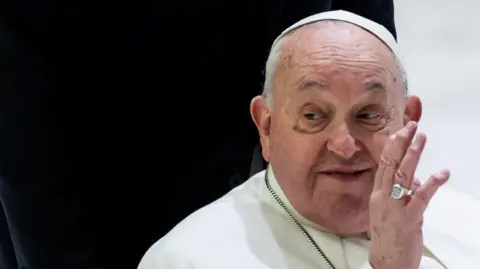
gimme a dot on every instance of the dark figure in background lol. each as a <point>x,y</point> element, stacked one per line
<point>103,150</point>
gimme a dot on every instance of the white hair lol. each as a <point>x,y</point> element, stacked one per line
<point>273,62</point>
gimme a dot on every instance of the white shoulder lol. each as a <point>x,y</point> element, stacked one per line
<point>163,255</point>
<point>176,249</point>
<point>195,238</point>
<point>201,236</point>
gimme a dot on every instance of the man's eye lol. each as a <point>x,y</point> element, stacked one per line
<point>312,116</point>
<point>369,116</point>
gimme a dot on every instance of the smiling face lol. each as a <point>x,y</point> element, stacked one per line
<point>338,96</point>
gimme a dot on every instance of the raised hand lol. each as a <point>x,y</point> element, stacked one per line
<point>396,217</point>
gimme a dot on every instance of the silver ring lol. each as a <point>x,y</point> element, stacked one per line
<point>399,192</point>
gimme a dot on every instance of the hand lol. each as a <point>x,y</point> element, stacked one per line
<point>396,225</point>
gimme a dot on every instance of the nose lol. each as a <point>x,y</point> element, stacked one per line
<point>342,143</point>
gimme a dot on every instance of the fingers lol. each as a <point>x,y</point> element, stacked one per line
<point>416,184</point>
<point>424,194</point>
<point>406,171</point>
<point>392,156</point>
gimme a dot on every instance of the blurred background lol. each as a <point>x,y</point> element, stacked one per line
<point>440,47</point>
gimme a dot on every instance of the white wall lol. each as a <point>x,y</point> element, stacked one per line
<point>440,46</point>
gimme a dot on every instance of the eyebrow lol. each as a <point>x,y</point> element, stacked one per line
<point>369,87</point>
<point>303,85</point>
<point>375,86</point>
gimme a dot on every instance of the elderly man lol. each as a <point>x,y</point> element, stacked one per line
<point>336,126</point>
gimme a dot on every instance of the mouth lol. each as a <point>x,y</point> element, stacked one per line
<point>346,175</point>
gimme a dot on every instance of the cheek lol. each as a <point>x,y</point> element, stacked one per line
<point>375,144</point>
<point>293,152</point>
<point>290,147</point>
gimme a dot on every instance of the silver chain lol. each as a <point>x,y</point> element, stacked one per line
<point>305,233</point>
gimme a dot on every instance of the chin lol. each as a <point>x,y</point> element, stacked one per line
<point>348,215</point>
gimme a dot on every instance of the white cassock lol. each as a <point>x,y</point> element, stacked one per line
<point>248,229</point>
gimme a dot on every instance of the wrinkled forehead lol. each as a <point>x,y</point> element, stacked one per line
<point>335,49</point>
<point>335,40</point>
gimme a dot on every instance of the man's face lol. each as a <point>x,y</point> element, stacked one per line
<point>338,97</point>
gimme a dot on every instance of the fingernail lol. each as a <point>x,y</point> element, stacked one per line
<point>442,175</point>
<point>445,172</point>
<point>418,140</point>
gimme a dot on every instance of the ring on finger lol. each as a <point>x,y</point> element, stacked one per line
<point>399,192</point>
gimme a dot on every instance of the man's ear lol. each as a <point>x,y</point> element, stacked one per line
<point>261,116</point>
<point>413,109</point>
